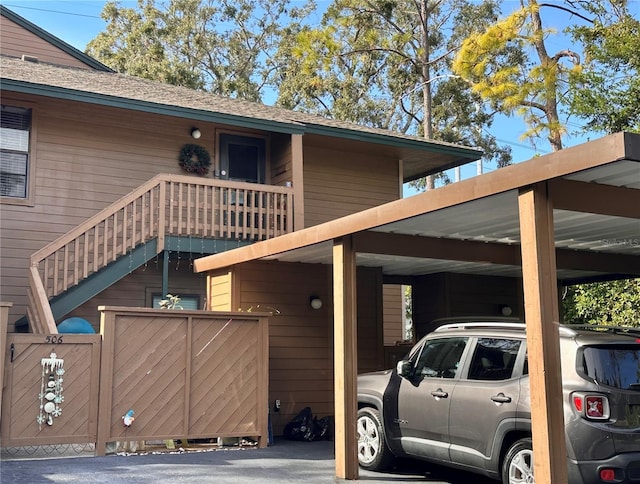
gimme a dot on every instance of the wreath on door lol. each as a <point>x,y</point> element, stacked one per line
<point>194,159</point>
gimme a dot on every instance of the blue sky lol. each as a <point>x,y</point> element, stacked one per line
<point>78,21</point>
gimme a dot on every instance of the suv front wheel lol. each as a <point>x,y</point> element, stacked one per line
<point>373,453</point>
<point>518,463</point>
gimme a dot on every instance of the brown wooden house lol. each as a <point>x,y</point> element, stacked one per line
<point>96,209</point>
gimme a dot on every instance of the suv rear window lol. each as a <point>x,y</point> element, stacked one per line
<point>617,367</point>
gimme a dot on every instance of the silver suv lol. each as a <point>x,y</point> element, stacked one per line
<point>461,398</point>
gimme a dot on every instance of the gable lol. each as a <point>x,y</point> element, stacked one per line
<point>19,37</point>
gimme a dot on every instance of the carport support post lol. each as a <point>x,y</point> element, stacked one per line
<point>543,346</point>
<point>345,357</point>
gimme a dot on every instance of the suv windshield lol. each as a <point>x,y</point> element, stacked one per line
<point>617,367</point>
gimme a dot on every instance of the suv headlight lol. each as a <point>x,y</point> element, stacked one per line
<point>591,406</point>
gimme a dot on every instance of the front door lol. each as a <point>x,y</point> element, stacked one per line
<point>242,158</point>
<point>424,400</point>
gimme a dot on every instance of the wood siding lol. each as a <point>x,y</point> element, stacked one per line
<point>450,295</point>
<point>370,319</point>
<point>219,293</point>
<point>17,41</point>
<point>301,338</point>
<point>338,183</point>
<point>393,314</point>
<point>281,159</point>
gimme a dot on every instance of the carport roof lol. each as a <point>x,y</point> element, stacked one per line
<point>473,226</point>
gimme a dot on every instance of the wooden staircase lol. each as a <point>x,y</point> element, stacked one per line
<point>166,205</point>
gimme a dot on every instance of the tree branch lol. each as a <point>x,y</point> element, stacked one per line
<point>572,12</point>
<point>533,104</point>
<point>575,58</point>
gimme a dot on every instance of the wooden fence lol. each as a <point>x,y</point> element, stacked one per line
<point>26,387</point>
<point>185,375</point>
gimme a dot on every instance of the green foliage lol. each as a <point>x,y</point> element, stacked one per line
<point>615,303</point>
<point>223,46</point>
<point>606,93</point>
<point>509,66</point>
<point>374,63</point>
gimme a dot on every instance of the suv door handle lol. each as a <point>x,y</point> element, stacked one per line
<point>501,398</point>
<point>439,393</point>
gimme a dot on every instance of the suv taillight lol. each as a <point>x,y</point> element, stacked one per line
<point>591,406</point>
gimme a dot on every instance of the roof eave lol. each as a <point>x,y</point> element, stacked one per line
<point>149,107</point>
<point>461,152</point>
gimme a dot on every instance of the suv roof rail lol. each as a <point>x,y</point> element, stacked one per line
<point>484,324</point>
<point>630,330</point>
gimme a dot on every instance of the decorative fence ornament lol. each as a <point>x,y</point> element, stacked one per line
<point>50,389</point>
<point>128,418</point>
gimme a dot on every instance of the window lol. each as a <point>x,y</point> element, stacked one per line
<point>15,129</point>
<point>614,366</point>
<point>494,359</point>
<point>242,158</point>
<point>440,358</point>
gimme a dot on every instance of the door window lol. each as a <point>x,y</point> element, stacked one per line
<point>440,358</point>
<point>242,158</point>
<point>494,359</point>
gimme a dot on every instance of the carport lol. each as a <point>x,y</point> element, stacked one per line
<point>573,215</point>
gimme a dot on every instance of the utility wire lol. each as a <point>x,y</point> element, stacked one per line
<point>52,11</point>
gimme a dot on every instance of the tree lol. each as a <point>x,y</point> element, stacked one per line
<point>223,46</point>
<point>533,89</point>
<point>615,303</point>
<point>606,93</point>
<point>385,63</point>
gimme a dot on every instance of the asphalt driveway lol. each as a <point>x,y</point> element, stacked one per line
<point>284,462</point>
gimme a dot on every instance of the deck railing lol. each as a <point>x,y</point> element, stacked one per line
<point>165,205</point>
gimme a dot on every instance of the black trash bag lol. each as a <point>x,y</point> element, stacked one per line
<point>324,428</point>
<point>301,427</point>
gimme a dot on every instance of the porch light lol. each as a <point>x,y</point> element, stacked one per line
<point>316,302</point>
<point>195,132</point>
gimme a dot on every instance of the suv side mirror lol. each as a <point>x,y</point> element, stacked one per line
<point>404,368</point>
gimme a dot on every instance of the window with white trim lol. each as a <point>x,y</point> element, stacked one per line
<point>15,128</point>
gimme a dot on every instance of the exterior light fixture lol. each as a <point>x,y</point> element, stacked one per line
<point>316,302</point>
<point>195,133</point>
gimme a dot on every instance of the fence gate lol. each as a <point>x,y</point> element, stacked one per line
<point>51,389</point>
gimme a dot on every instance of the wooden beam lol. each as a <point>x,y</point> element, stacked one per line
<point>4,324</point>
<point>345,358</point>
<point>598,262</point>
<point>596,198</point>
<point>436,248</point>
<point>543,345</point>
<point>487,252</point>
<point>297,179</point>
<point>565,162</point>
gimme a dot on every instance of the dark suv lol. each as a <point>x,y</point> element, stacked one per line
<point>461,398</point>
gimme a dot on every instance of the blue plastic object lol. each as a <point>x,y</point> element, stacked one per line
<point>75,325</point>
